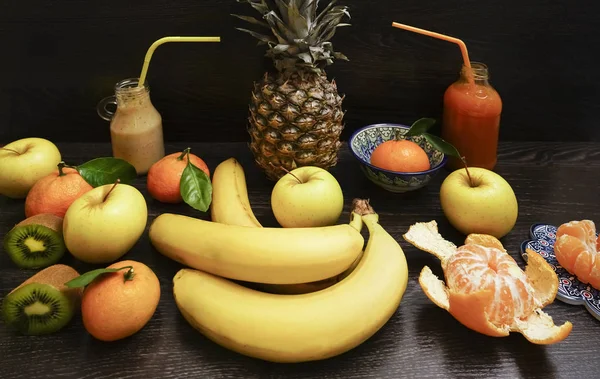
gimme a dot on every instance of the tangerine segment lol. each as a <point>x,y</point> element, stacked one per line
<point>476,268</point>
<point>576,250</point>
<point>585,230</point>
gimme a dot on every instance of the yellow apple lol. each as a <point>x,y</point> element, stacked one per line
<point>307,197</point>
<point>488,207</point>
<point>23,163</point>
<point>105,222</point>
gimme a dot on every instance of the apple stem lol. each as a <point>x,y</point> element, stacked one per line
<point>464,161</point>
<point>129,274</point>
<point>61,165</point>
<point>11,150</point>
<point>184,153</point>
<point>287,172</point>
<point>111,189</point>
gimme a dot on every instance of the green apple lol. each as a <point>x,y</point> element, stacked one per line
<point>23,163</point>
<point>105,222</point>
<point>489,206</point>
<point>307,197</point>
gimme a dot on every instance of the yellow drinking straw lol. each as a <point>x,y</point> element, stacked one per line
<point>160,41</point>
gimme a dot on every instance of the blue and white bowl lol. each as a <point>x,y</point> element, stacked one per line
<point>365,140</point>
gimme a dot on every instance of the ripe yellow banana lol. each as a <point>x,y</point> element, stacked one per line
<point>230,204</point>
<point>298,328</point>
<point>263,255</point>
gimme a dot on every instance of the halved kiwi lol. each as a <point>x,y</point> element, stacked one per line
<point>42,304</point>
<point>36,242</point>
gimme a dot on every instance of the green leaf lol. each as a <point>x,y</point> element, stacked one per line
<point>101,171</point>
<point>195,187</point>
<point>260,37</point>
<point>420,126</point>
<point>442,145</point>
<point>85,279</point>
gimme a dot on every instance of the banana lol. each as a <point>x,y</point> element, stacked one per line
<point>299,328</point>
<point>230,203</point>
<point>263,255</point>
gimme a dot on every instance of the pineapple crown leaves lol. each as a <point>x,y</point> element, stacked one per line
<point>298,36</point>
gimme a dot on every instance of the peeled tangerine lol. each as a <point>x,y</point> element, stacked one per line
<point>577,250</point>
<point>486,290</point>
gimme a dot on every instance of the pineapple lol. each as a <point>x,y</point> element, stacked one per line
<point>295,116</point>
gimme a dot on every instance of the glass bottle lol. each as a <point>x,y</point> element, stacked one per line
<point>471,120</point>
<point>135,127</point>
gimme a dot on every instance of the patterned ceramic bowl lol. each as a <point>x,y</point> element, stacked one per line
<point>365,140</point>
<point>570,289</point>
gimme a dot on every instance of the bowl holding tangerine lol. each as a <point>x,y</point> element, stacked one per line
<point>394,161</point>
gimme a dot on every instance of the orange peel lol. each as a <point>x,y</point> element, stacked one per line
<point>483,301</point>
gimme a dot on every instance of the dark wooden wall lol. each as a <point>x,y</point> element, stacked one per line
<point>59,58</point>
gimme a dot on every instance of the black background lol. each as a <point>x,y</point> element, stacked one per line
<point>59,58</point>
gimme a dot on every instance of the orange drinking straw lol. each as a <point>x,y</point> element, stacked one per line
<point>461,44</point>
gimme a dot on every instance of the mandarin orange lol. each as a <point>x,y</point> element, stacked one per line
<point>577,251</point>
<point>477,268</point>
<point>401,156</point>
<point>164,176</point>
<point>113,307</point>
<point>486,290</point>
<point>55,192</point>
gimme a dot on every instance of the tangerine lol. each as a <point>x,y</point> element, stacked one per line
<point>476,268</point>
<point>117,305</point>
<point>486,290</point>
<point>164,176</point>
<point>55,192</point>
<point>576,250</point>
<point>401,156</point>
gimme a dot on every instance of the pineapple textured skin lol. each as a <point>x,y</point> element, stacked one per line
<point>295,122</point>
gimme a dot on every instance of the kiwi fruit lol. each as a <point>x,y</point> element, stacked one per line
<point>36,242</point>
<point>42,304</point>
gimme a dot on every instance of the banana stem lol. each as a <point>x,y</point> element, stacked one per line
<point>362,207</point>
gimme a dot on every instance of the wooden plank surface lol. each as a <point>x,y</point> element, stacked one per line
<point>554,183</point>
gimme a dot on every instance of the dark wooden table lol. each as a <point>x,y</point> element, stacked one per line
<point>554,183</point>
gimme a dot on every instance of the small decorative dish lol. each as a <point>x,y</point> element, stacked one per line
<point>365,140</point>
<point>570,289</point>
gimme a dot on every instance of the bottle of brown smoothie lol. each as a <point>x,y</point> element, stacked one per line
<point>135,127</point>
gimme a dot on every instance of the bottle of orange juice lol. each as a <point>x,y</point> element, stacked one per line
<point>471,120</point>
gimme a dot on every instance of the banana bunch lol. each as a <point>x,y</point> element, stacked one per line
<point>346,293</point>
<point>299,328</point>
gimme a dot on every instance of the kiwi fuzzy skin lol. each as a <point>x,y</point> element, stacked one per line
<point>51,280</point>
<point>59,312</point>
